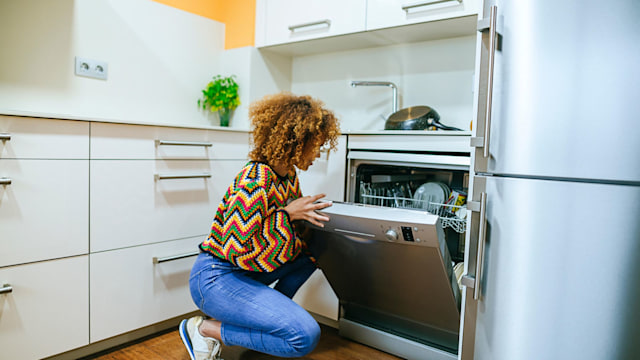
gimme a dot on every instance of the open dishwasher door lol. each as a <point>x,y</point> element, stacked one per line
<point>393,276</point>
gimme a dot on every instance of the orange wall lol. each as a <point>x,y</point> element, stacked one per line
<point>239,17</point>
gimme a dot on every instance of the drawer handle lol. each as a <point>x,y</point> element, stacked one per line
<point>5,289</point>
<point>157,260</point>
<point>310,26</point>
<point>5,137</point>
<point>408,7</point>
<point>182,143</point>
<point>5,181</point>
<point>181,176</point>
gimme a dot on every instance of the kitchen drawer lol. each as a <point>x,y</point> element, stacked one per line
<point>44,211</point>
<point>121,302</point>
<point>29,138</point>
<point>130,206</point>
<point>116,141</point>
<point>391,13</point>
<point>47,310</point>
<point>288,21</point>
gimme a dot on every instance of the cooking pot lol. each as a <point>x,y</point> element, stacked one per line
<point>415,118</point>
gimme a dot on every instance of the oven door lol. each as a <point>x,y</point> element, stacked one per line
<point>391,271</point>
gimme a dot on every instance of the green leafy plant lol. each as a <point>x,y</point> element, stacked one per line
<point>220,93</point>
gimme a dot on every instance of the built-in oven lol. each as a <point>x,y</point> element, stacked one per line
<point>393,251</point>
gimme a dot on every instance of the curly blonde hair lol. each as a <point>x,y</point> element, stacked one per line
<point>285,124</point>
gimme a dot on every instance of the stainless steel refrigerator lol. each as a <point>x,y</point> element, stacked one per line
<point>553,268</point>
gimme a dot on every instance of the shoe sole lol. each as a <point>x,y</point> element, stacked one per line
<point>184,335</point>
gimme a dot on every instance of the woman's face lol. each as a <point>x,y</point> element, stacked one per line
<point>311,152</point>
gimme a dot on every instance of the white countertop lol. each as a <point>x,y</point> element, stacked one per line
<point>116,121</point>
<point>134,122</point>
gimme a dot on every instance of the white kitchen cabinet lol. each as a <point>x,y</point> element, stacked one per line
<point>128,290</point>
<point>317,296</point>
<point>285,21</point>
<point>391,13</point>
<point>44,210</point>
<point>152,183</point>
<point>46,312</point>
<point>28,138</point>
<point>120,141</point>
<point>132,203</point>
<point>327,174</point>
<point>44,189</point>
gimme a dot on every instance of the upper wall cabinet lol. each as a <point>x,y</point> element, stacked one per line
<point>285,21</point>
<point>303,27</point>
<point>390,13</point>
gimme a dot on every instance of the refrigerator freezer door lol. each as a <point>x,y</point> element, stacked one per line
<point>566,85</point>
<point>561,272</point>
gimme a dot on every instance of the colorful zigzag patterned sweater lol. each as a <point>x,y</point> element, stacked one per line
<point>250,228</point>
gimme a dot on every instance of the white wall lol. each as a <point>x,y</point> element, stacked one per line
<point>159,58</point>
<point>258,74</point>
<point>434,73</point>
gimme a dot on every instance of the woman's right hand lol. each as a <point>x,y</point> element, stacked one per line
<point>304,208</point>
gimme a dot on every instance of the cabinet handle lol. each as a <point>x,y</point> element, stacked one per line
<point>5,181</point>
<point>5,289</point>
<point>493,40</point>
<point>5,137</point>
<point>468,280</point>
<point>158,260</point>
<point>182,143</point>
<point>409,7</point>
<point>311,25</point>
<point>181,176</point>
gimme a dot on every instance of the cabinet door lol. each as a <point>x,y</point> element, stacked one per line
<point>317,296</point>
<point>44,209</point>
<point>327,174</point>
<point>26,138</point>
<point>390,13</point>
<point>119,141</point>
<point>46,311</point>
<point>129,290</point>
<point>294,20</point>
<point>136,202</point>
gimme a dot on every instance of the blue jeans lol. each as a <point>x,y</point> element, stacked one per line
<point>254,315</point>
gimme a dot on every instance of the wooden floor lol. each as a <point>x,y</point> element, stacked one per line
<point>168,346</point>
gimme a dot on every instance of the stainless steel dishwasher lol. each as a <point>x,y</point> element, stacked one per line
<point>389,252</point>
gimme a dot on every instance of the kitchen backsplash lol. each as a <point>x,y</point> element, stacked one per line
<point>434,73</point>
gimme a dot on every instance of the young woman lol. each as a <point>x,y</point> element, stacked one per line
<point>254,242</point>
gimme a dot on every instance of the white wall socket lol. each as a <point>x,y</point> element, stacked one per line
<point>91,68</point>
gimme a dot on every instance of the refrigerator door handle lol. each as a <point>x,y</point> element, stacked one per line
<point>474,281</point>
<point>483,141</point>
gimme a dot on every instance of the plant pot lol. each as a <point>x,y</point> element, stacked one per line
<point>225,116</point>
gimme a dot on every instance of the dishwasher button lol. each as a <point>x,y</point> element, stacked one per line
<point>391,235</point>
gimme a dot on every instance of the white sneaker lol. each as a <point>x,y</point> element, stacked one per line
<point>198,346</point>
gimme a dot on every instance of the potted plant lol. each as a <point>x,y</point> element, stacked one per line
<point>220,95</point>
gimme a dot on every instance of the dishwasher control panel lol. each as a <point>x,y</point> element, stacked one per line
<point>407,233</point>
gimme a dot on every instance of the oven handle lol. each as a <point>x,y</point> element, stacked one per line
<point>450,160</point>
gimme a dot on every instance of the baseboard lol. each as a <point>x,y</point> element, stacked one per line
<point>122,339</point>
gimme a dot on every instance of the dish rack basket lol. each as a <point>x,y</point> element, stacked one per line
<point>452,216</point>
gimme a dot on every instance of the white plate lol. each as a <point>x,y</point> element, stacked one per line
<point>427,193</point>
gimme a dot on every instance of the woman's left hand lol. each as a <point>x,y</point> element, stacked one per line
<point>305,208</point>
